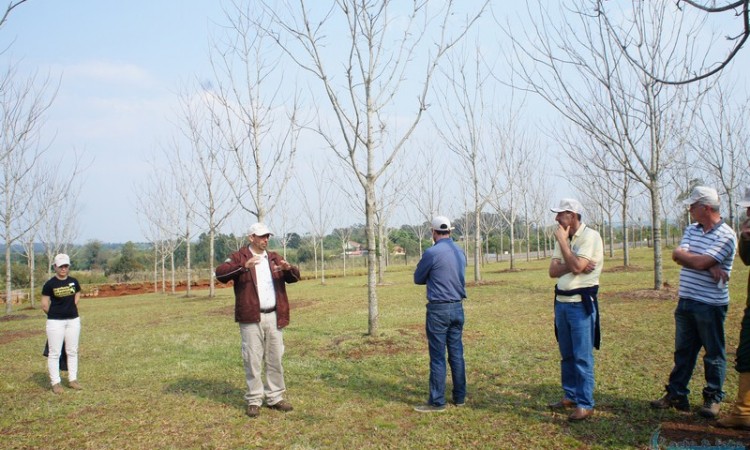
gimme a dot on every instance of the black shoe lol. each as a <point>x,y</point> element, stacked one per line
<point>678,402</point>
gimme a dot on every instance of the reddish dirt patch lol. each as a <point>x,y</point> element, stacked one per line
<point>700,434</point>
<point>10,336</point>
<point>118,289</point>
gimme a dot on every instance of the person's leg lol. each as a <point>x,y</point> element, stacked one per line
<point>55,338</point>
<point>687,344</point>
<point>456,354</point>
<point>72,336</point>
<point>710,322</point>
<point>742,363</point>
<point>436,327</point>
<point>252,358</point>
<point>565,344</point>
<point>274,351</point>
<point>582,341</point>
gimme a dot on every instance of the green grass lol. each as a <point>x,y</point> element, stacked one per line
<point>165,372</point>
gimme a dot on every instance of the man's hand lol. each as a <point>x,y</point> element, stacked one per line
<point>562,233</point>
<point>590,267</point>
<point>719,274</point>
<point>255,260</point>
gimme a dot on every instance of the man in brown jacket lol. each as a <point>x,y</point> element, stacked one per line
<point>262,310</point>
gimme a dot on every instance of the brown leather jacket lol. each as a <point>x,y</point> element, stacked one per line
<point>246,302</point>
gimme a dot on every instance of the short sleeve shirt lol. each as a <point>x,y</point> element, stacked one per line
<point>62,294</point>
<point>719,243</point>
<point>585,243</point>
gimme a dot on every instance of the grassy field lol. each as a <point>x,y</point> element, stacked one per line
<point>164,372</point>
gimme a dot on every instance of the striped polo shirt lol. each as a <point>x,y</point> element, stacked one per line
<point>720,243</point>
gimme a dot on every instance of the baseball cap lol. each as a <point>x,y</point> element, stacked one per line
<point>703,195</point>
<point>61,260</point>
<point>568,204</point>
<point>745,202</point>
<point>441,223</point>
<point>259,229</point>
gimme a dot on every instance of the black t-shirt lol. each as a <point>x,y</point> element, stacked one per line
<point>62,294</point>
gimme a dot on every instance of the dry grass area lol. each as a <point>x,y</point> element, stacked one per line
<point>164,372</point>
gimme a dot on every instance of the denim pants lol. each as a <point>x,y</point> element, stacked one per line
<point>263,345</point>
<point>69,331</point>
<point>699,325</point>
<point>444,326</point>
<point>575,338</point>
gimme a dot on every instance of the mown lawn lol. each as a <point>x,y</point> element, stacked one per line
<point>164,372</point>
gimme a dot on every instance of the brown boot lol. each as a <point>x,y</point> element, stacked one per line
<point>739,415</point>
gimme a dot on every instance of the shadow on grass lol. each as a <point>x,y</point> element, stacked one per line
<point>41,379</point>
<point>217,391</point>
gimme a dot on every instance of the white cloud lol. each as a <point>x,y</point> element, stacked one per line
<point>109,73</point>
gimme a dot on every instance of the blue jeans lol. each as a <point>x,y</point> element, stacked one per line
<point>699,325</point>
<point>575,337</point>
<point>444,326</point>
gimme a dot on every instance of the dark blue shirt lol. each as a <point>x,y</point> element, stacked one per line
<point>442,268</point>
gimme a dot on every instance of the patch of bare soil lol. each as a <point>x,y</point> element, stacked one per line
<point>10,336</point>
<point>701,435</point>
<point>667,292</point>
<point>118,289</point>
<point>8,318</point>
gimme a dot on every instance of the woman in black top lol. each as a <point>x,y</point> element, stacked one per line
<point>60,297</point>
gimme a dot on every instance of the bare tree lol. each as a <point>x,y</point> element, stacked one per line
<point>161,212</point>
<point>426,193</point>
<point>23,103</point>
<point>11,6</point>
<point>738,9</point>
<point>466,110</point>
<point>379,41</point>
<point>579,69</point>
<point>318,208</point>
<point>721,142</point>
<point>211,204</point>
<point>259,129</point>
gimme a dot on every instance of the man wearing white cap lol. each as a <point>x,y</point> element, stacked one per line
<point>442,268</point>
<point>706,253</point>
<point>262,310</point>
<point>577,262</point>
<point>739,416</point>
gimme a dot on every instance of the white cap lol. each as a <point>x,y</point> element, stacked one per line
<point>61,260</point>
<point>745,202</point>
<point>568,204</point>
<point>441,223</point>
<point>704,195</point>
<point>259,229</point>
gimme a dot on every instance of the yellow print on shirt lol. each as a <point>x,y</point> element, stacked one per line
<point>64,291</point>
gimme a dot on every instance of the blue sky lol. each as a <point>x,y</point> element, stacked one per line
<point>120,64</point>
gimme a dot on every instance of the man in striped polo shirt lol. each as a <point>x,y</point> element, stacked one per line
<point>706,253</point>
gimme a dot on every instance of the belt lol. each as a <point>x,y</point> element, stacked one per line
<point>267,310</point>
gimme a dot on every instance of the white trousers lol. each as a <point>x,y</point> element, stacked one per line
<point>263,344</point>
<point>59,331</point>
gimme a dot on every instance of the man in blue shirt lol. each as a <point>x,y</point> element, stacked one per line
<point>442,269</point>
